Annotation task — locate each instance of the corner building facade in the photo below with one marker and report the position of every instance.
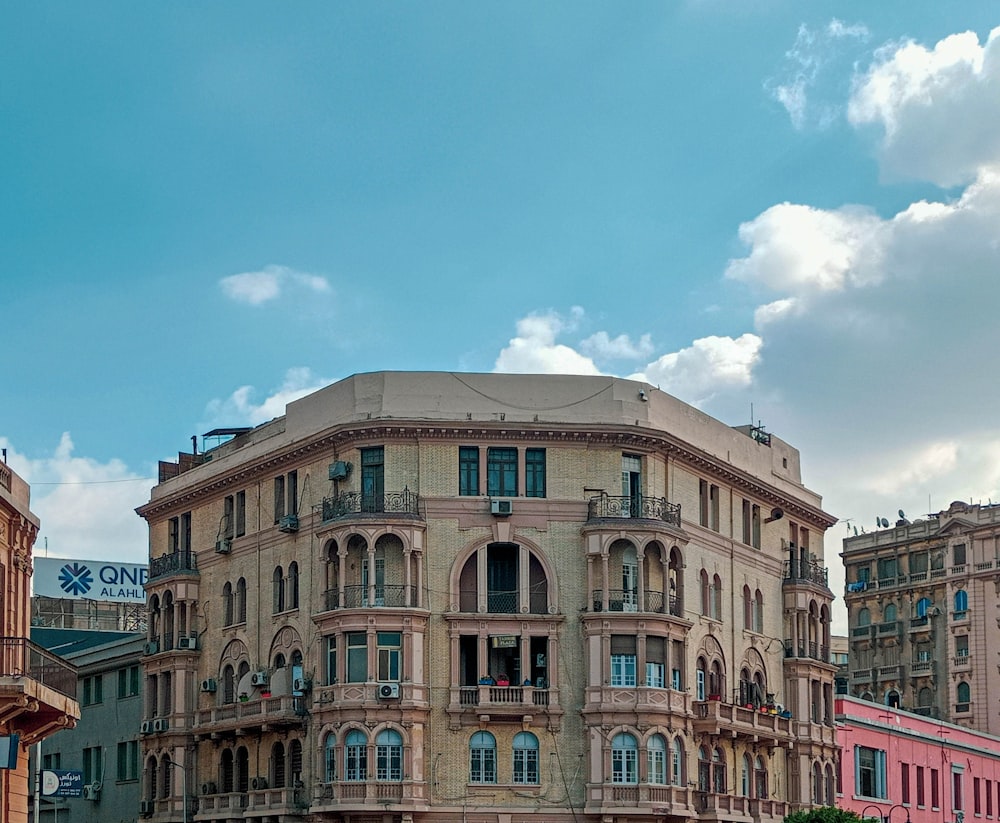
(487, 598)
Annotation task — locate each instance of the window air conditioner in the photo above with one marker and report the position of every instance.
(160, 724)
(258, 679)
(258, 783)
(388, 691)
(340, 470)
(209, 685)
(208, 788)
(502, 508)
(151, 647)
(289, 523)
(92, 791)
(146, 727)
(188, 644)
(146, 808)
(223, 546)
(300, 684)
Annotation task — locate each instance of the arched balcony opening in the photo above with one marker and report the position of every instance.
(503, 578)
(675, 573)
(382, 573)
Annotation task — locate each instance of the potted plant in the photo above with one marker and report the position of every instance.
(244, 697)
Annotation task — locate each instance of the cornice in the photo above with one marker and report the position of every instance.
(385, 431)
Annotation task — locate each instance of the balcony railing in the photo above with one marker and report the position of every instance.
(22, 658)
(806, 571)
(625, 600)
(359, 597)
(172, 563)
(606, 506)
(810, 649)
(348, 504)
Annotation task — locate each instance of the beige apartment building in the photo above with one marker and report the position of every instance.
(490, 599)
(37, 688)
(922, 610)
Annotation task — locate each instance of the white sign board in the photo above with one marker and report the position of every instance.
(89, 580)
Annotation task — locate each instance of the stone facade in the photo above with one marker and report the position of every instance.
(460, 597)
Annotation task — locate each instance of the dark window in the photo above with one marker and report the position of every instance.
(468, 470)
(128, 681)
(279, 498)
(534, 472)
(241, 513)
(958, 554)
(501, 472)
(128, 760)
(357, 657)
(373, 479)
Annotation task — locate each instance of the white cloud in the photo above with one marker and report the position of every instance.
(602, 345)
(706, 368)
(929, 463)
(257, 287)
(534, 350)
(241, 407)
(86, 508)
(938, 108)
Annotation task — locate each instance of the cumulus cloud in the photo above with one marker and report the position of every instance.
(257, 287)
(938, 108)
(809, 63)
(534, 350)
(602, 345)
(243, 408)
(86, 508)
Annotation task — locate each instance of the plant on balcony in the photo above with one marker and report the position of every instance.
(244, 697)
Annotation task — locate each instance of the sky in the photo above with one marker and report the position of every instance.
(780, 212)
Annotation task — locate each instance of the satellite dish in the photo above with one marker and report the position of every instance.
(883, 522)
(855, 531)
(902, 515)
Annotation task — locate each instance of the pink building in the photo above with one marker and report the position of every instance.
(904, 766)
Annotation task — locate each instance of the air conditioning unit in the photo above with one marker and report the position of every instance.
(151, 647)
(209, 685)
(340, 470)
(258, 783)
(258, 679)
(146, 727)
(388, 691)
(146, 808)
(289, 523)
(208, 788)
(187, 644)
(160, 724)
(92, 791)
(300, 684)
(223, 546)
(501, 508)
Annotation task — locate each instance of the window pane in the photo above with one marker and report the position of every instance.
(534, 472)
(468, 470)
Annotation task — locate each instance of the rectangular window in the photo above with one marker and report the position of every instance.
(699, 691)
(241, 513)
(904, 783)
(373, 479)
(534, 472)
(870, 772)
(128, 682)
(292, 493)
(886, 568)
(389, 647)
(656, 671)
(483, 765)
(957, 798)
(958, 554)
(976, 797)
(624, 765)
(128, 760)
(935, 790)
(526, 766)
(675, 680)
(655, 675)
(93, 690)
(52, 761)
(92, 764)
(279, 498)
(623, 670)
(173, 530)
(331, 660)
(989, 797)
(356, 755)
(920, 786)
(962, 645)
(468, 471)
(703, 503)
(388, 762)
(501, 472)
(228, 517)
(357, 657)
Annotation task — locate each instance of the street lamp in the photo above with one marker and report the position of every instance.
(879, 817)
(888, 814)
(184, 792)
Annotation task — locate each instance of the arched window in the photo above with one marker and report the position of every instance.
(482, 758)
(389, 755)
(525, 758)
(830, 785)
(745, 776)
(961, 602)
(748, 622)
(677, 762)
(923, 604)
(718, 772)
(279, 661)
(295, 761)
(864, 617)
(758, 612)
(278, 765)
(760, 779)
(706, 597)
(704, 770)
(963, 692)
(925, 697)
(242, 769)
(166, 789)
(890, 613)
(355, 756)
(656, 760)
(700, 679)
(227, 604)
(278, 593)
(717, 597)
(241, 600)
(227, 772)
(293, 585)
(330, 758)
(152, 775)
(817, 787)
(228, 684)
(892, 699)
(624, 759)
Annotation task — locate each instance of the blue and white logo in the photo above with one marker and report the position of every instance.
(75, 579)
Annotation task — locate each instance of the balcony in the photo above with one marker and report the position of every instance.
(806, 571)
(259, 715)
(37, 690)
(235, 802)
(281, 801)
(360, 597)
(922, 668)
(503, 703)
(172, 563)
(756, 725)
(890, 672)
(623, 600)
(657, 798)
(367, 793)
(961, 662)
(811, 650)
(356, 504)
(608, 507)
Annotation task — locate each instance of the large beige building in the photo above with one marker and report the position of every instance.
(37, 688)
(921, 601)
(488, 598)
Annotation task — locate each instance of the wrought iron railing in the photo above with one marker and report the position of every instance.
(606, 506)
(808, 571)
(22, 658)
(355, 503)
(623, 600)
(172, 563)
(807, 649)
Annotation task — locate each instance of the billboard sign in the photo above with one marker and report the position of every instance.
(89, 580)
(62, 783)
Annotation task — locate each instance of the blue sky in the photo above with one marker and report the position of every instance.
(209, 209)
